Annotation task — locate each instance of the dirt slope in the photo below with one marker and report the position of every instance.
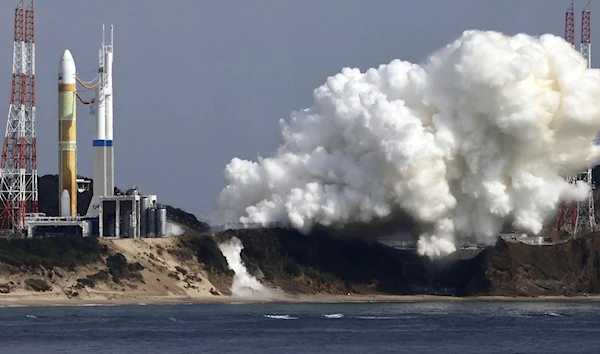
(131, 269)
(516, 269)
(192, 268)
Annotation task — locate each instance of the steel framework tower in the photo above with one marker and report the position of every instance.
(18, 167)
(579, 217)
(104, 172)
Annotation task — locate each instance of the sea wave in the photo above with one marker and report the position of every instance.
(334, 315)
(281, 317)
(375, 317)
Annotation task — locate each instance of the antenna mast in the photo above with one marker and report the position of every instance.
(579, 216)
(18, 167)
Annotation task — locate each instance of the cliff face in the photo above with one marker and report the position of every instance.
(516, 269)
(192, 267)
(320, 262)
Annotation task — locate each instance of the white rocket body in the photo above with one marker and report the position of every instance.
(108, 102)
(65, 203)
(103, 140)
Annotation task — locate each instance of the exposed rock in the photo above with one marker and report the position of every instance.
(516, 269)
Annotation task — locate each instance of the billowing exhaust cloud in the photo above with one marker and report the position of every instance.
(482, 133)
(244, 284)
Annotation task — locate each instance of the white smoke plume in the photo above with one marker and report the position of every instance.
(244, 284)
(482, 133)
(174, 229)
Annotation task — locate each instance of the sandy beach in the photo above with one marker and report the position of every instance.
(123, 299)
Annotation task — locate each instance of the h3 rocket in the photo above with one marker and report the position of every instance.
(104, 180)
(67, 136)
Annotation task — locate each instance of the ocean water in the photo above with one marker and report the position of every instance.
(423, 327)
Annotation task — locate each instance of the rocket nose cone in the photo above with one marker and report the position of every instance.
(67, 55)
(66, 68)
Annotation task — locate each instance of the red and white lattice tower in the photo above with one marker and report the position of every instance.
(579, 217)
(18, 167)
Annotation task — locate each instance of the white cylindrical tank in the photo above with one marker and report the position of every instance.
(161, 221)
(151, 222)
(144, 205)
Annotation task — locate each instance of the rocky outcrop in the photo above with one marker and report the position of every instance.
(192, 267)
(516, 269)
(320, 262)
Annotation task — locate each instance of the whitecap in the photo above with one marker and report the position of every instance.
(281, 317)
(334, 315)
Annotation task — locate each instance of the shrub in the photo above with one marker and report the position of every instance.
(37, 284)
(61, 252)
(207, 251)
(181, 270)
(91, 280)
(120, 269)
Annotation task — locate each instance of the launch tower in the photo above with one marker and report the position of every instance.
(579, 217)
(104, 173)
(18, 167)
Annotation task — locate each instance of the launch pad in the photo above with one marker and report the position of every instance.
(128, 215)
(110, 213)
(132, 215)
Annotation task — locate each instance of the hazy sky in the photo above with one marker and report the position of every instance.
(197, 83)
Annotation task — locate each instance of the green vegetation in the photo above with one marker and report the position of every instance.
(329, 262)
(181, 270)
(5, 288)
(120, 269)
(91, 280)
(207, 251)
(37, 284)
(185, 219)
(285, 254)
(62, 252)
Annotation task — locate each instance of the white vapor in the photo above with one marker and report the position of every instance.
(244, 284)
(174, 229)
(483, 132)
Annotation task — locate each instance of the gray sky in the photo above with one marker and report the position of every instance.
(197, 83)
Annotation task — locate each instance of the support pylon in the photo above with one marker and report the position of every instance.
(580, 217)
(18, 167)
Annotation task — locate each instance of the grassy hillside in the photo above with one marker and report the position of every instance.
(73, 266)
(516, 269)
(318, 262)
(61, 252)
(321, 262)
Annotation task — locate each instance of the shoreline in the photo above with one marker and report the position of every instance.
(24, 301)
